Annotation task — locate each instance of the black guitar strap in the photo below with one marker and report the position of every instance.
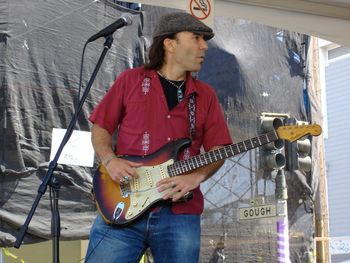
(192, 115)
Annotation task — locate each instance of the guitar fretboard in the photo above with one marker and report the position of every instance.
(198, 161)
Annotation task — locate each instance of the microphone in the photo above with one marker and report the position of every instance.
(123, 21)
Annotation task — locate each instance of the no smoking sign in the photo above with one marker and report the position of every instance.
(200, 9)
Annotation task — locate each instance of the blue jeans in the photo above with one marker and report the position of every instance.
(171, 238)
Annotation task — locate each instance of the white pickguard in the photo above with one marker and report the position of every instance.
(143, 191)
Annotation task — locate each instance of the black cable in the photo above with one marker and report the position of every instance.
(80, 78)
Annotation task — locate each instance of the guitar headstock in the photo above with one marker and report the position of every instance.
(294, 132)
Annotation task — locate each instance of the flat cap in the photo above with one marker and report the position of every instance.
(173, 23)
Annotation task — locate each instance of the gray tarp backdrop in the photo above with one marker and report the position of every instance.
(254, 69)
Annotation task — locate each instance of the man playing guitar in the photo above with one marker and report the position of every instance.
(150, 107)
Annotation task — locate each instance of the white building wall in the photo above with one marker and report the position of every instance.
(337, 151)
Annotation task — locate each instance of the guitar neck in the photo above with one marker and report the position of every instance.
(206, 158)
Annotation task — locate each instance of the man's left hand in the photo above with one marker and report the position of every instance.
(179, 185)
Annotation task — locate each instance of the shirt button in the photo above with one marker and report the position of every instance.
(169, 116)
(169, 139)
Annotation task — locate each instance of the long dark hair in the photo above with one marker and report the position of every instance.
(156, 52)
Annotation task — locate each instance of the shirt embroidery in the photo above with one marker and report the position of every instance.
(187, 154)
(145, 142)
(146, 84)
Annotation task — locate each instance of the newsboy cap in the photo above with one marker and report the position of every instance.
(173, 23)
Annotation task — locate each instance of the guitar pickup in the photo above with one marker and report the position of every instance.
(149, 179)
(136, 184)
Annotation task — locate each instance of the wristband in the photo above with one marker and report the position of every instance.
(107, 160)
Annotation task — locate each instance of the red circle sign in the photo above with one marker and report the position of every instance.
(200, 9)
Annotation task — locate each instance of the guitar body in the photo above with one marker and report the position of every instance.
(120, 204)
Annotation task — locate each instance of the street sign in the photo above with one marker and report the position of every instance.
(255, 212)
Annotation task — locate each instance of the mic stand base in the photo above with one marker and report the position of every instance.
(55, 219)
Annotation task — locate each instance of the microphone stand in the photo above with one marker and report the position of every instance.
(51, 180)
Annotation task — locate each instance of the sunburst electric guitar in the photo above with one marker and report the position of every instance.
(121, 204)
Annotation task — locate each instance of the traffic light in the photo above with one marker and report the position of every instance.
(272, 157)
(298, 152)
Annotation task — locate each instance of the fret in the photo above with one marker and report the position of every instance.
(191, 164)
(249, 144)
(219, 152)
(174, 168)
(195, 160)
(228, 151)
(188, 165)
(259, 140)
(195, 165)
(182, 168)
(171, 170)
(215, 155)
(223, 152)
(178, 169)
(200, 159)
(242, 147)
(265, 138)
(209, 155)
(185, 166)
(236, 151)
(175, 172)
(231, 151)
(204, 160)
(255, 142)
(268, 136)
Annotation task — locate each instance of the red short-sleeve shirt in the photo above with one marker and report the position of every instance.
(136, 107)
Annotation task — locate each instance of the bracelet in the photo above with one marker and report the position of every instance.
(107, 160)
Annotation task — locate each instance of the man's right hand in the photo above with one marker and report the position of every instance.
(121, 170)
